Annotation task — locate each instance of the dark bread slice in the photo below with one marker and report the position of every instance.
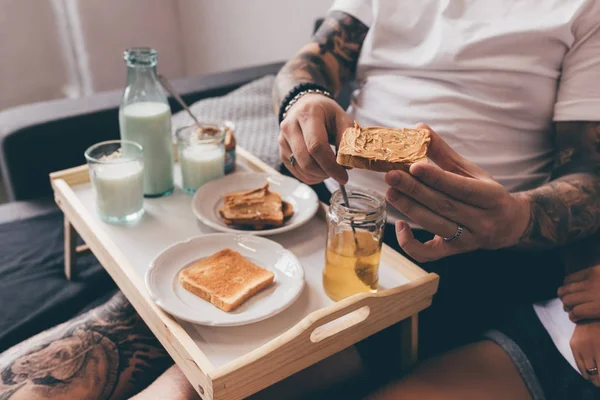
(288, 210)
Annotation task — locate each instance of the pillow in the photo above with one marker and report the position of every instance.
(251, 110)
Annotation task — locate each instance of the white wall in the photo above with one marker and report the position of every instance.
(71, 48)
(228, 34)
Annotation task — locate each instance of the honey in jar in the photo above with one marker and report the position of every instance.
(354, 242)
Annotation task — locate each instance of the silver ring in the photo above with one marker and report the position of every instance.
(292, 161)
(459, 231)
(592, 371)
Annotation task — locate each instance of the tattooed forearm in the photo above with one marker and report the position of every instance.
(568, 208)
(563, 211)
(329, 60)
(341, 36)
(105, 353)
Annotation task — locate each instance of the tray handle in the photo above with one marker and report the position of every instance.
(374, 309)
(325, 332)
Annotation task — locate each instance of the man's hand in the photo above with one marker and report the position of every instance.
(585, 345)
(310, 126)
(454, 192)
(581, 294)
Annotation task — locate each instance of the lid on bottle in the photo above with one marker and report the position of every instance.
(140, 56)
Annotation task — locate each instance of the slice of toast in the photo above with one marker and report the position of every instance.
(255, 209)
(382, 149)
(226, 279)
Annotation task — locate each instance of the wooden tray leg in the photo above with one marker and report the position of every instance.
(70, 248)
(409, 342)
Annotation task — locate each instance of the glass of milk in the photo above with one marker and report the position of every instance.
(116, 170)
(201, 154)
(145, 118)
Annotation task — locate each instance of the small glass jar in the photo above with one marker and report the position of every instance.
(201, 154)
(116, 170)
(354, 240)
(229, 146)
(145, 118)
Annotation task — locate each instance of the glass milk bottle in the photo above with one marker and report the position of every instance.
(145, 118)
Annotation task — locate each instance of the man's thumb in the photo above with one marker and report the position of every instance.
(446, 158)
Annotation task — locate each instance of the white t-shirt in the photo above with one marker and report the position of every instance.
(489, 76)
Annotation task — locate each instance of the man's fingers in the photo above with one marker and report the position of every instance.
(292, 132)
(317, 144)
(578, 276)
(571, 288)
(477, 192)
(285, 153)
(436, 201)
(443, 155)
(421, 215)
(589, 362)
(342, 122)
(575, 299)
(579, 361)
(408, 243)
(584, 311)
(595, 378)
(421, 252)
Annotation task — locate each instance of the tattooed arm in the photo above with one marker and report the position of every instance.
(329, 59)
(468, 210)
(105, 353)
(315, 121)
(568, 208)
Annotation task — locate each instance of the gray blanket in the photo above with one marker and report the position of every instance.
(250, 108)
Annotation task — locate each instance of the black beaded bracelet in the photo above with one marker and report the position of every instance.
(297, 92)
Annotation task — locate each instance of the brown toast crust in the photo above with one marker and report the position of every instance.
(355, 161)
(226, 279)
(287, 209)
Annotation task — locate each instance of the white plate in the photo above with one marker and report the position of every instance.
(164, 288)
(209, 199)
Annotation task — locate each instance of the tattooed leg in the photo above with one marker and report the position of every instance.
(105, 353)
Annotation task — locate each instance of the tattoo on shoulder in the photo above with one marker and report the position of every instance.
(102, 351)
(568, 208)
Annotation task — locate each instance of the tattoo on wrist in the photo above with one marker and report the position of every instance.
(106, 350)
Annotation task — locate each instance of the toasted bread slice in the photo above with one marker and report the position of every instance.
(255, 209)
(383, 149)
(226, 279)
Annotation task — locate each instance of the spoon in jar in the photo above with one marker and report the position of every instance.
(347, 203)
(167, 85)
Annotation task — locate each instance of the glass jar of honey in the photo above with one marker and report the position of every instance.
(354, 238)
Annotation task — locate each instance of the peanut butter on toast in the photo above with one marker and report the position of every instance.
(382, 149)
(226, 279)
(255, 209)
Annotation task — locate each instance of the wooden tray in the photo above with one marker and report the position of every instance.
(235, 362)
